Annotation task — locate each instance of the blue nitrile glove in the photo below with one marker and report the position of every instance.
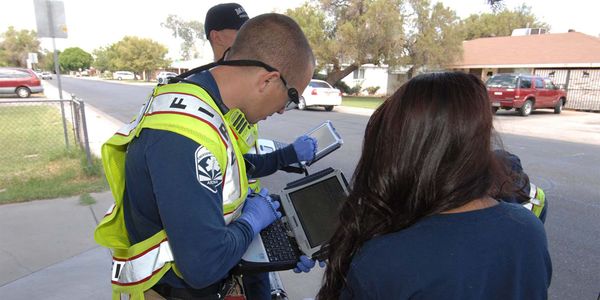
(260, 210)
(305, 264)
(305, 147)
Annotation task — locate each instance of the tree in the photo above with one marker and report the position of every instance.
(496, 5)
(104, 58)
(500, 23)
(139, 55)
(46, 60)
(74, 59)
(16, 45)
(188, 31)
(347, 34)
(435, 38)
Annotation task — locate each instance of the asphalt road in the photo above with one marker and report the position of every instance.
(568, 172)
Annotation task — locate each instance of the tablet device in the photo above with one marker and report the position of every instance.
(327, 138)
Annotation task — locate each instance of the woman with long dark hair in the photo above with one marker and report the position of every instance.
(422, 221)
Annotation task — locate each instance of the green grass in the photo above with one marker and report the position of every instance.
(364, 102)
(34, 162)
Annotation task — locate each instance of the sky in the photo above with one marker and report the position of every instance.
(93, 24)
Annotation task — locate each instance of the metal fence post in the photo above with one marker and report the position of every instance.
(85, 133)
(64, 122)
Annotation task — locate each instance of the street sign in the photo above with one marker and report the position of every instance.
(50, 18)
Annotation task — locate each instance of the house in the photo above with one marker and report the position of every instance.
(570, 59)
(372, 76)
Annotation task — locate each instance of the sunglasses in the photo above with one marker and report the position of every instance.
(293, 96)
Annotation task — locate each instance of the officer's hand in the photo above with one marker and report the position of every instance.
(260, 210)
(306, 264)
(305, 147)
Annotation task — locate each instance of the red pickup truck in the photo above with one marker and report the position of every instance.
(524, 93)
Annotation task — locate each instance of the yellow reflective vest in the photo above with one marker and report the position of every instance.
(537, 200)
(188, 110)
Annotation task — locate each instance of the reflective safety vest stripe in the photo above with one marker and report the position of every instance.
(188, 110)
(537, 200)
(131, 268)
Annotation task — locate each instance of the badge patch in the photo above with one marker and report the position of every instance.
(208, 171)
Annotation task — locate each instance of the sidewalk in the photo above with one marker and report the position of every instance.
(49, 251)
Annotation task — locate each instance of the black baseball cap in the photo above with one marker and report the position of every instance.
(225, 16)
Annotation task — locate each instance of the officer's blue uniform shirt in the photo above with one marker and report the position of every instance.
(163, 191)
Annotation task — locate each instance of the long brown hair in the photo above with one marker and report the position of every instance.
(427, 149)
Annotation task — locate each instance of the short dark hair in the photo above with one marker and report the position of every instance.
(276, 40)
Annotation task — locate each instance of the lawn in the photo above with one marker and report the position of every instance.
(364, 102)
(34, 162)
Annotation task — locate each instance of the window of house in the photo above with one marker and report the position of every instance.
(359, 74)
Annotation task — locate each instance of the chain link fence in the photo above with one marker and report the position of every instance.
(38, 130)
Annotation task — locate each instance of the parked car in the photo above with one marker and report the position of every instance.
(524, 93)
(22, 82)
(120, 75)
(320, 93)
(46, 76)
(163, 76)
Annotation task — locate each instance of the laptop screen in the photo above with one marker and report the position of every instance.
(317, 207)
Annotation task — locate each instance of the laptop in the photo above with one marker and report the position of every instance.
(310, 208)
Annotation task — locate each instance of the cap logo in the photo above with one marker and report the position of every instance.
(241, 12)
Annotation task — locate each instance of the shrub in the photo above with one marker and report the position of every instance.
(372, 90)
(355, 90)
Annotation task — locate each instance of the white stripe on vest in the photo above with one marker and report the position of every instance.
(141, 268)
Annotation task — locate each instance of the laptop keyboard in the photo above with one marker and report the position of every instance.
(279, 246)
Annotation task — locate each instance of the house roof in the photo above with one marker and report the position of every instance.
(572, 49)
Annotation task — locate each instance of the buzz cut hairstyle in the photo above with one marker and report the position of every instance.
(276, 40)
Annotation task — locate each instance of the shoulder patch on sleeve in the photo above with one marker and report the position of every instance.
(208, 171)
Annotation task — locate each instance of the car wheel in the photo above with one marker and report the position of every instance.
(328, 107)
(160, 81)
(23, 92)
(494, 110)
(526, 109)
(302, 104)
(119, 78)
(559, 106)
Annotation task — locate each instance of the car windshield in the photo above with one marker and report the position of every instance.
(506, 81)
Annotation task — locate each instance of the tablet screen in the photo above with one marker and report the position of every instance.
(324, 137)
(317, 207)
(327, 140)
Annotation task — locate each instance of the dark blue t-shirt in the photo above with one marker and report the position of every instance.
(499, 252)
(163, 191)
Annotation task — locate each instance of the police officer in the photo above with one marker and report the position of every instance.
(183, 216)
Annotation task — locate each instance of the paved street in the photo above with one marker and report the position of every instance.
(569, 173)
